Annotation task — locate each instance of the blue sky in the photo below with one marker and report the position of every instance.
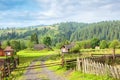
(19, 13)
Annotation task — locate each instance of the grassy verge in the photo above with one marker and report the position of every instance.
(81, 76)
(76, 75)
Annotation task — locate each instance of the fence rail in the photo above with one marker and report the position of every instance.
(7, 66)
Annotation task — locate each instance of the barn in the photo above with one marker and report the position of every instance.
(2, 52)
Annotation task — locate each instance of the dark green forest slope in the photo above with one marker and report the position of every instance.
(71, 31)
(57, 32)
(106, 30)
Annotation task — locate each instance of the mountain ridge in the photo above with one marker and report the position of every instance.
(71, 31)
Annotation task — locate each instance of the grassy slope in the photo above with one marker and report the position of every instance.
(26, 29)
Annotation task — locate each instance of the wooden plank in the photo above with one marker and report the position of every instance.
(90, 66)
(78, 64)
(116, 73)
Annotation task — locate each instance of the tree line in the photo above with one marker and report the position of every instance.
(64, 33)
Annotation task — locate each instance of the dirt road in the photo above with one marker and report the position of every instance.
(41, 73)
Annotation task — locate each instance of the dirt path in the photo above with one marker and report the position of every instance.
(41, 73)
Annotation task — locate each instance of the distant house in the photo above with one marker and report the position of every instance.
(2, 52)
(66, 48)
(39, 46)
(97, 47)
(9, 51)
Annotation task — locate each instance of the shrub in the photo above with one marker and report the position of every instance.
(75, 49)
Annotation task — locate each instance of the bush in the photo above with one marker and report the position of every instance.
(70, 66)
(75, 49)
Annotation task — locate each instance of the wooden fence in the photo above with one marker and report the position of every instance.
(7, 66)
(90, 66)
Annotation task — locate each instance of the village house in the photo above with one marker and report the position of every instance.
(66, 48)
(39, 46)
(9, 51)
(97, 47)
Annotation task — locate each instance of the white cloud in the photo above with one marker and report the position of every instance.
(53, 11)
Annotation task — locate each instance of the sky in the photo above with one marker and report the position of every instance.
(20, 13)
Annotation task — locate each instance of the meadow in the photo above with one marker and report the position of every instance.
(27, 56)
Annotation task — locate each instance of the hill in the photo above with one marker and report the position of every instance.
(106, 30)
(71, 31)
(57, 32)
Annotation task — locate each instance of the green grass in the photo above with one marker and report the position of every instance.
(81, 76)
(2, 57)
(77, 75)
(26, 57)
(99, 51)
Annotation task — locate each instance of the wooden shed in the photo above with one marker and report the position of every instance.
(39, 46)
(9, 51)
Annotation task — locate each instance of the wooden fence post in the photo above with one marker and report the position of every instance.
(14, 63)
(63, 61)
(18, 60)
(9, 70)
(78, 64)
(2, 73)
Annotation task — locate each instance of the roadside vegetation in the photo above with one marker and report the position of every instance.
(28, 55)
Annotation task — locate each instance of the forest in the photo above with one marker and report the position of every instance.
(59, 34)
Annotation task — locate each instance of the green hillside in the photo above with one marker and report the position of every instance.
(106, 30)
(57, 32)
(71, 31)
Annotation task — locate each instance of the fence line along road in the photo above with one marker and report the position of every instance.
(90, 66)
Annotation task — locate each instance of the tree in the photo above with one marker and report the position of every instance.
(85, 44)
(75, 49)
(103, 44)
(114, 44)
(8, 43)
(22, 45)
(5, 43)
(30, 44)
(34, 38)
(95, 42)
(0, 44)
(47, 41)
(60, 44)
(15, 45)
